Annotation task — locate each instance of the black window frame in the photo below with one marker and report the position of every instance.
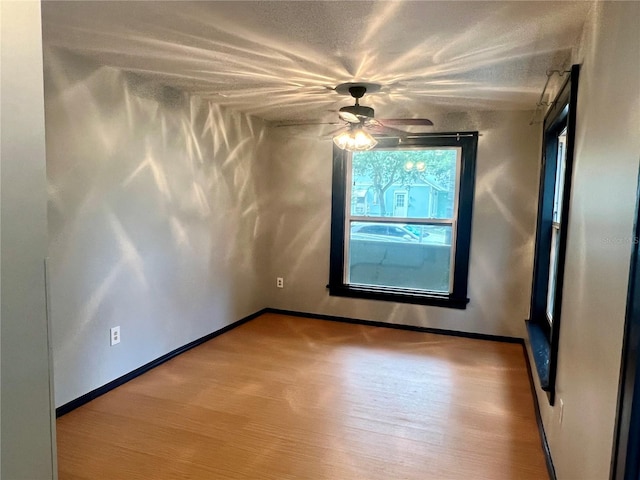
(468, 142)
(543, 336)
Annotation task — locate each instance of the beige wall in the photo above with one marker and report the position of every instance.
(28, 443)
(154, 220)
(599, 244)
(299, 211)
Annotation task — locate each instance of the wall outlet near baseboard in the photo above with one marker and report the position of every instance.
(280, 282)
(115, 335)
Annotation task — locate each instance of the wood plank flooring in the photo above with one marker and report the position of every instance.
(285, 397)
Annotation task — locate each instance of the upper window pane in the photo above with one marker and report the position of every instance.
(560, 169)
(411, 183)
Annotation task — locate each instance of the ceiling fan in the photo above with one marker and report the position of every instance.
(360, 125)
(363, 116)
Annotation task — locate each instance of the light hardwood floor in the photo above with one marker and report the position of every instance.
(292, 398)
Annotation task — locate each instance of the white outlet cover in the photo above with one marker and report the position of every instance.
(115, 335)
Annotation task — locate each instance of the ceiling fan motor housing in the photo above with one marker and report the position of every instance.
(357, 91)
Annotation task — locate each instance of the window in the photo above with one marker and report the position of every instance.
(551, 233)
(412, 244)
(556, 224)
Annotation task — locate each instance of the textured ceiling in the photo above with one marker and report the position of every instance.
(280, 60)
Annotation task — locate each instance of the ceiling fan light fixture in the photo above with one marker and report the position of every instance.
(355, 140)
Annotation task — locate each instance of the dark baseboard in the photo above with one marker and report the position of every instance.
(87, 397)
(536, 406)
(370, 323)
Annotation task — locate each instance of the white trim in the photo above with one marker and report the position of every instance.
(403, 220)
(348, 156)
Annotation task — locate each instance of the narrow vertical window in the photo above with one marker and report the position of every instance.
(551, 233)
(556, 221)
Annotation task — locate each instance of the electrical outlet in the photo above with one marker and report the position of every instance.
(561, 412)
(280, 282)
(115, 335)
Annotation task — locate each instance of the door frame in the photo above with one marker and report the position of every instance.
(625, 461)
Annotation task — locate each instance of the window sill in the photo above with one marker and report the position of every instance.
(401, 296)
(541, 351)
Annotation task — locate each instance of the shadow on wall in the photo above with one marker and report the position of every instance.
(154, 216)
(502, 236)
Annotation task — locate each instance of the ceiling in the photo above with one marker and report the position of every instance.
(280, 60)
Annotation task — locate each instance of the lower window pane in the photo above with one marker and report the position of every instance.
(406, 256)
(553, 272)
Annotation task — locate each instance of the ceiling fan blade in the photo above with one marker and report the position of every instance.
(407, 121)
(385, 131)
(349, 117)
(303, 123)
